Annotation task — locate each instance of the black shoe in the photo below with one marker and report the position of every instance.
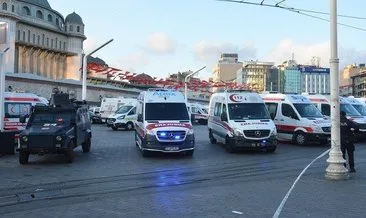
(352, 170)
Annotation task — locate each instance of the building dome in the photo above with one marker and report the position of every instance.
(74, 18)
(144, 78)
(41, 3)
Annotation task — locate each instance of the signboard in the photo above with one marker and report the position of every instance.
(3, 27)
(311, 69)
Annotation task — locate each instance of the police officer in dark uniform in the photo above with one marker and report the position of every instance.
(347, 128)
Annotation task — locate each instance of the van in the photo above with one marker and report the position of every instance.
(109, 106)
(198, 113)
(359, 105)
(323, 103)
(297, 119)
(163, 123)
(125, 116)
(17, 104)
(240, 119)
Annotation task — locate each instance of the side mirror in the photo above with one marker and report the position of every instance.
(272, 116)
(224, 117)
(23, 119)
(139, 118)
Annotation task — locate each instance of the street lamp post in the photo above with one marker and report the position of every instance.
(335, 169)
(85, 58)
(186, 80)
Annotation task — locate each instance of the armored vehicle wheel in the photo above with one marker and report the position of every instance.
(129, 126)
(23, 157)
(69, 156)
(86, 146)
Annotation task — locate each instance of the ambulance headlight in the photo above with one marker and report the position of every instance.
(317, 128)
(190, 132)
(238, 132)
(121, 117)
(24, 138)
(150, 132)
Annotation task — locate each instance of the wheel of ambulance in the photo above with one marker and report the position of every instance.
(189, 153)
(86, 146)
(23, 157)
(300, 138)
(229, 146)
(145, 153)
(212, 139)
(271, 149)
(69, 156)
(129, 126)
(114, 128)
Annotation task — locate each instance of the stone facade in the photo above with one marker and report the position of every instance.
(41, 41)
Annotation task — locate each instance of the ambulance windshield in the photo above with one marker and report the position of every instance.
(350, 110)
(308, 110)
(123, 109)
(166, 111)
(360, 108)
(248, 111)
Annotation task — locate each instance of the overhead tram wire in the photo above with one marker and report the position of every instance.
(294, 10)
(315, 12)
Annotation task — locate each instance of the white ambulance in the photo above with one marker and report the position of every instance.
(163, 123)
(240, 119)
(358, 104)
(109, 106)
(17, 104)
(125, 116)
(297, 119)
(198, 113)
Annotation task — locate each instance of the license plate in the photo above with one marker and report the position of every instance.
(256, 144)
(103, 120)
(172, 148)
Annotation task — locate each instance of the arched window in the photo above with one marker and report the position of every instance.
(39, 14)
(5, 6)
(34, 38)
(18, 34)
(26, 11)
(57, 22)
(42, 39)
(24, 36)
(38, 39)
(49, 18)
(48, 42)
(12, 8)
(78, 29)
(71, 28)
(29, 35)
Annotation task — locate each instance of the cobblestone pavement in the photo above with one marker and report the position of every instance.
(114, 180)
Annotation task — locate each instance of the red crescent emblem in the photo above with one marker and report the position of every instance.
(236, 98)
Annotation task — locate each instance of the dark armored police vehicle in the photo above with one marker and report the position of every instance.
(57, 128)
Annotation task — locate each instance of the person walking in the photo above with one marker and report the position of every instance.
(347, 145)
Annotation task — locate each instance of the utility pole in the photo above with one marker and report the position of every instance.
(335, 169)
(85, 63)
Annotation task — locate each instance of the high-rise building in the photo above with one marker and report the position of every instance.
(289, 77)
(254, 74)
(315, 80)
(226, 68)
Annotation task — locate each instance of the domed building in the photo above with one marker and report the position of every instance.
(41, 41)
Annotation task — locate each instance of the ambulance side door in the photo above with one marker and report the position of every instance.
(289, 121)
